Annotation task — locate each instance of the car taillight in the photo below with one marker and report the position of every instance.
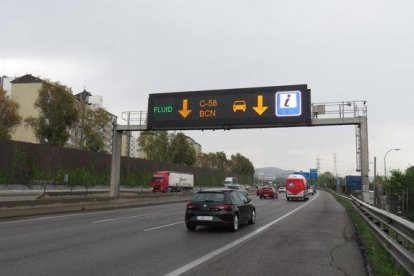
(223, 207)
(190, 206)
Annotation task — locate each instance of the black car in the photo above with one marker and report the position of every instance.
(219, 207)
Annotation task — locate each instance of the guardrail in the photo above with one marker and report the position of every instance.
(395, 233)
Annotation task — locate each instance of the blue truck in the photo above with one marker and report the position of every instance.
(353, 182)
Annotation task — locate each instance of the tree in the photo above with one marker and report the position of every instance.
(93, 122)
(400, 189)
(241, 165)
(181, 150)
(327, 179)
(396, 182)
(409, 177)
(57, 114)
(9, 118)
(216, 161)
(202, 160)
(155, 145)
(220, 161)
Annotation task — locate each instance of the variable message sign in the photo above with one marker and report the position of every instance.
(273, 106)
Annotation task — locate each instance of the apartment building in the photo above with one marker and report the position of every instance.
(86, 98)
(25, 91)
(5, 83)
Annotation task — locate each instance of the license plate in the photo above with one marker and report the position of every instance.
(204, 218)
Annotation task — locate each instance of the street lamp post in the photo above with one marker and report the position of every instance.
(385, 162)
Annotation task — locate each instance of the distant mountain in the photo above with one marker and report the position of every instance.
(273, 171)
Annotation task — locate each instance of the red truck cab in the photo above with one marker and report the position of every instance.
(159, 181)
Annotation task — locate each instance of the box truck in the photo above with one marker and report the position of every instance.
(296, 187)
(230, 180)
(168, 181)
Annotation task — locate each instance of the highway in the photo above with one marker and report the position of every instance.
(289, 238)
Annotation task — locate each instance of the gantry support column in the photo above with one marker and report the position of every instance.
(364, 154)
(116, 162)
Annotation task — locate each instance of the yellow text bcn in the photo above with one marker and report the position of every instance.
(207, 113)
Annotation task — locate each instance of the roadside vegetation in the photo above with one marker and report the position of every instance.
(394, 194)
(381, 262)
(172, 147)
(9, 117)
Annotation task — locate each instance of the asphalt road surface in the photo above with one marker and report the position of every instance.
(314, 237)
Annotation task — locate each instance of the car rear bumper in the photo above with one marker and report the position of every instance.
(268, 195)
(217, 220)
(299, 195)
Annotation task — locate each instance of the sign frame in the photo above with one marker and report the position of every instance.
(225, 109)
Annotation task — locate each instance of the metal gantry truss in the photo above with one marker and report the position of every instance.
(323, 114)
(348, 113)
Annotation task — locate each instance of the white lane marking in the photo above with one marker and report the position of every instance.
(211, 255)
(260, 204)
(87, 214)
(137, 216)
(163, 226)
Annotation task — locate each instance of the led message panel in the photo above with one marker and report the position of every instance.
(257, 107)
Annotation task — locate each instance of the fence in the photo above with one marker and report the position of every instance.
(26, 163)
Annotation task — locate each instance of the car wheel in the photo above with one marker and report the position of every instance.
(261, 197)
(235, 224)
(191, 227)
(253, 217)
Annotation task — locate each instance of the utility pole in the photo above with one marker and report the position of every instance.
(318, 169)
(335, 172)
(318, 164)
(375, 181)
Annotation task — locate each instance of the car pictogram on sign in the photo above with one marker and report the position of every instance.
(239, 106)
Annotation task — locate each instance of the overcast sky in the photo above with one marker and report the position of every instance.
(125, 50)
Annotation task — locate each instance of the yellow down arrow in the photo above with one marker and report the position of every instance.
(185, 111)
(260, 109)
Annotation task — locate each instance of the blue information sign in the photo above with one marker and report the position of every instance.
(313, 173)
(305, 174)
(288, 104)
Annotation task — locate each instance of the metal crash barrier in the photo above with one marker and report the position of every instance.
(395, 233)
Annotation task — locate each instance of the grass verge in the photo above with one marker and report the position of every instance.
(381, 262)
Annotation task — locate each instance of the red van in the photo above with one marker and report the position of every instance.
(296, 187)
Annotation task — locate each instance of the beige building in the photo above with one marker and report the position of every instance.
(25, 91)
(129, 145)
(92, 102)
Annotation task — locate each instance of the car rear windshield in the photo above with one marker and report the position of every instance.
(267, 188)
(209, 197)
